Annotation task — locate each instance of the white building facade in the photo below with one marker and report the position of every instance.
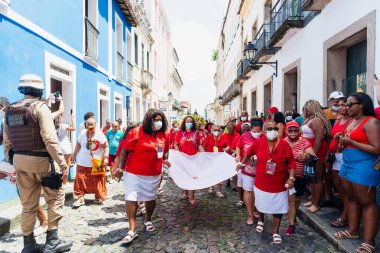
(315, 47)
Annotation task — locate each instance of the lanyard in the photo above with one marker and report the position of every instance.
(273, 149)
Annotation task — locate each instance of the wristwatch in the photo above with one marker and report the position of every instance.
(292, 178)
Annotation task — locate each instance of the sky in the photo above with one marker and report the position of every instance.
(195, 29)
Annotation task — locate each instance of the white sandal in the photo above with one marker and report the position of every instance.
(79, 202)
(239, 204)
(149, 226)
(220, 194)
(277, 239)
(130, 237)
(260, 227)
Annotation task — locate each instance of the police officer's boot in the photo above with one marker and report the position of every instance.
(30, 245)
(54, 244)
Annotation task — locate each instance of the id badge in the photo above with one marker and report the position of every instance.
(271, 167)
(160, 152)
(216, 149)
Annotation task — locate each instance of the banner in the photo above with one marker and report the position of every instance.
(201, 170)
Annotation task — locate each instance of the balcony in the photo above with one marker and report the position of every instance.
(261, 43)
(286, 20)
(129, 73)
(177, 105)
(242, 72)
(119, 66)
(91, 40)
(233, 91)
(146, 81)
(314, 5)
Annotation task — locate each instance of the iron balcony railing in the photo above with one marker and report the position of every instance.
(146, 79)
(261, 43)
(242, 68)
(91, 40)
(119, 66)
(289, 10)
(129, 72)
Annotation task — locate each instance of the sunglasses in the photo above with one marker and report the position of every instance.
(349, 105)
(272, 129)
(293, 130)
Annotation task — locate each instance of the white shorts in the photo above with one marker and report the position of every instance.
(248, 183)
(239, 180)
(338, 161)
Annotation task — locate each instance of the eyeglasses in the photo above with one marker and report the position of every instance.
(349, 105)
(293, 130)
(272, 129)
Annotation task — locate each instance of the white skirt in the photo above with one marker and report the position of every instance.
(271, 203)
(66, 147)
(140, 188)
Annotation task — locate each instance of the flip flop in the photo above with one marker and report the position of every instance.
(260, 227)
(313, 211)
(308, 204)
(239, 204)
(149, 226)
(220, 195)
(339, 223)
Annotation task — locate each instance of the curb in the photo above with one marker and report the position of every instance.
(326, 231)
(6, 225)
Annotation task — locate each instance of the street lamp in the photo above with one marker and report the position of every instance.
(219, 100)
(250, 54)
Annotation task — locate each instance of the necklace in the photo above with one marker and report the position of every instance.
(353, 125)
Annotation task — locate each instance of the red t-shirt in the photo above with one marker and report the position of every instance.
(282, 156)
(337, 128)
(231, 140)
(172, 137)
(300, 147)
(188, 141)
(211, 141)
(143, 159)
(118, 151)
(245, 144)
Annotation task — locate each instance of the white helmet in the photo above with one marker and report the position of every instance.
(32, 81)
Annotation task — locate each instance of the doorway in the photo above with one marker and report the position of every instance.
(267, 95)
(290, 90)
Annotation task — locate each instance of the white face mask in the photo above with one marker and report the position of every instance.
(243, 118)
(289, 118)
(256, 135)
(271, 135)
(2, 114)
(216, 133)
(157, 125)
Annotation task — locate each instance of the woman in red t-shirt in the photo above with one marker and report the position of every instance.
(145, 152)
(302, 150)
(335, 152)
(188, 140)
(275, 171)
(215, 143)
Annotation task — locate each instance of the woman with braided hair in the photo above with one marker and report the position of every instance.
(316, 128)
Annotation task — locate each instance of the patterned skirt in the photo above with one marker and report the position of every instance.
(86, 183)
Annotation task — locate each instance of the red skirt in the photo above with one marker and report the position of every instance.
(85, 183)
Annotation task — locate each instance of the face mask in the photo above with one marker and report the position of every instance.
(256, 135)
(157, 125)
(289, 118)
(189, 125)
(176, 129)
(2, 114)
(243, 118)
(271, 135)
(335, 108)
(216, 133)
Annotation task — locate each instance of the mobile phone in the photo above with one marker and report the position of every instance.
(376, 78)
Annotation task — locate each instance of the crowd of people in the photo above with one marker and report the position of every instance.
(279, 158)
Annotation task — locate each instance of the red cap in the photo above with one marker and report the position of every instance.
(292, 124)
(272, 110)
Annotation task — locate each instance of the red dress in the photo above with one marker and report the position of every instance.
(146, 150)
(282, 156)
(188, 141)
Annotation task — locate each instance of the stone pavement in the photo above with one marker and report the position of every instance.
(213, 225)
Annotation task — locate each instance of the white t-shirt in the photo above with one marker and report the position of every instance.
(84, 155)
(61, 132)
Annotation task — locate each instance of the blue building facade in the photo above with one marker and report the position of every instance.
(78, 47)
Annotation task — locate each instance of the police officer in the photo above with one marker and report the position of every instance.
(30, 134)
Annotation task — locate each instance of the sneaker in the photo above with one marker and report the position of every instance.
(79, 202)
(291, 230)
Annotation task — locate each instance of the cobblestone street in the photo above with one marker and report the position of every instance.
(214, 225)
